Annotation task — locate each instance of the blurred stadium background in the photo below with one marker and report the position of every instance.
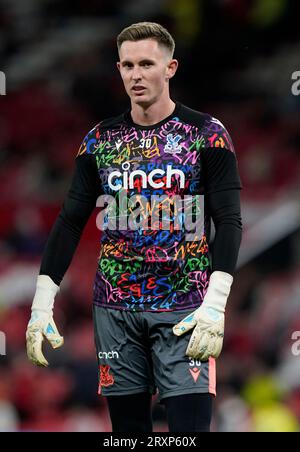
(236, 62)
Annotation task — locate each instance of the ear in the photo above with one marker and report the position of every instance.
(118, 65)
(171, 68)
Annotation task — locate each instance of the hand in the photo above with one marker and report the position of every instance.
(41, 324)
(208, 320)
(207, 337)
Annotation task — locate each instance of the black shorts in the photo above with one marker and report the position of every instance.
(138, 352)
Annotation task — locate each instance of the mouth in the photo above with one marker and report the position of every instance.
(138, 89)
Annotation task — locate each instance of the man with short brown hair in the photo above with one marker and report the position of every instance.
(153, 283)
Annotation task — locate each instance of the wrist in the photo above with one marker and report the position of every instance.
(218, 291)
(46, 291)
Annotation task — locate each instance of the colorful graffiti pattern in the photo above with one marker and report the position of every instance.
(145, 269)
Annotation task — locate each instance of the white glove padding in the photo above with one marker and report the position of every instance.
(41, 323)
(208, 320)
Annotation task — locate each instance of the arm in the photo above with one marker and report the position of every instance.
(68, 227)
(60, 248)
(208, 320)
(222, 199)
(225, 210)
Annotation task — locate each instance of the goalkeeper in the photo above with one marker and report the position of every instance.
(158, 299)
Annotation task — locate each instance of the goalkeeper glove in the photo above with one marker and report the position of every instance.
(41, 323)
(208, 320)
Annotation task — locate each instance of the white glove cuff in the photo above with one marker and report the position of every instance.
(218, 290)
(46, 291)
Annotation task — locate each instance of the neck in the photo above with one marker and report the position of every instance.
(152, 114)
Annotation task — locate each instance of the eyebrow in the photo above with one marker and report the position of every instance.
(145, 60)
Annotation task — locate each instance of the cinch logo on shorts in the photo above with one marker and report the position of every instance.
(106, 379)
(108, 355)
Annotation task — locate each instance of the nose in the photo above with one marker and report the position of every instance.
(136, 74)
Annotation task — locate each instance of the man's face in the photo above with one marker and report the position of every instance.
(145, 68)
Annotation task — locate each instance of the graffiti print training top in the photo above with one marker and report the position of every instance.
(146, 261)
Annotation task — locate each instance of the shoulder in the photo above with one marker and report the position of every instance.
(212, 130)
(98, 133)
